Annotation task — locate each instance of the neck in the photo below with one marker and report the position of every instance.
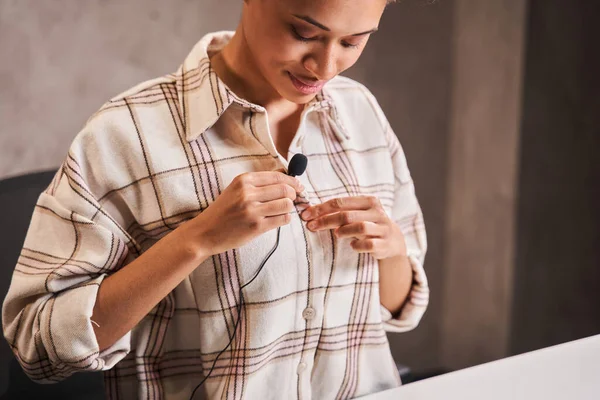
(236, 67)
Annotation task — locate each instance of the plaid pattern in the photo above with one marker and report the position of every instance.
(156, 156)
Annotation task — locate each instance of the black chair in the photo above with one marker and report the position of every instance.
(18, 196)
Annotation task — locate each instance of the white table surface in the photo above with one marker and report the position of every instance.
(567, 371)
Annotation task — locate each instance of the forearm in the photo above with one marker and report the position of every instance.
(395, 281)
(125, 297)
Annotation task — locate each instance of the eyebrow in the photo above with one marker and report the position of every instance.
(321, 26)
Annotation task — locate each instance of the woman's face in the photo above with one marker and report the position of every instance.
(299, 45)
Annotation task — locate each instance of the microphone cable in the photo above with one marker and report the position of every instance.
(297, 166)
(239, 309)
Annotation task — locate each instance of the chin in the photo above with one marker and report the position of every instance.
(301, 99)
(292, 96)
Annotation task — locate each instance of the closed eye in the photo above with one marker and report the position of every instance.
(304, 39)
(350, 45)
(299, 36)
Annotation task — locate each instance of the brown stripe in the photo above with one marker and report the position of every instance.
(181, 135)
(218, 106)
(159, 200)
(288, 297)
(191, 366)
(95, 205)
(221, 292)
(369, 267)
(195, 165)
(351, 321)
(337, 152)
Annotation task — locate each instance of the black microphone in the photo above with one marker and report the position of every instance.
(297, 165)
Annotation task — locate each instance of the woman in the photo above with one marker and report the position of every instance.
(167, 205)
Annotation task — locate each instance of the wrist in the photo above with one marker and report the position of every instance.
(190, 242)
(400, 250)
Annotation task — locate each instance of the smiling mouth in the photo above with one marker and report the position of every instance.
(305, 81)
(305, 87)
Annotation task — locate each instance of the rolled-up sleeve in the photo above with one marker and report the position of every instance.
(415, 305)
(71, 245)
(406, 212)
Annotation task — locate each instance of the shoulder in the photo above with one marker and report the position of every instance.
(117, 122)
(148, 93)
(110, 149)
(358, 110)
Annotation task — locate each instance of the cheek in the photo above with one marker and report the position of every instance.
(346, 62)
(284, 53)
(267, 40)
(347, 59)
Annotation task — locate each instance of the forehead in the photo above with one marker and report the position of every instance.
(341, 16)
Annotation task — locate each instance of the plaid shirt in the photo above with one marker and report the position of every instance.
(156, 156)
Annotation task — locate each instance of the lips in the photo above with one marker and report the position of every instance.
(304, 86)
(306, 81)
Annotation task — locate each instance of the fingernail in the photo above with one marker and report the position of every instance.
(306, 214)
(312, 225)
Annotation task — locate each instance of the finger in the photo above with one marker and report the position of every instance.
(275, 222)
(273, 192)
(275, 207)
(266, 178)
(360, 230)
(332, 221)
(368, 245)
(341, 204)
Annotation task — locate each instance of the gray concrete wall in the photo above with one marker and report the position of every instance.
(557, 267)
(61, 60)
(481, 181)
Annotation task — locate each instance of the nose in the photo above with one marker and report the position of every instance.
(322, 63)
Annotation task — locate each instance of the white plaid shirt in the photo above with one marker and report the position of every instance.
(155, 157)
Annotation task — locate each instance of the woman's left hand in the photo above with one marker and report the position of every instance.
(363, 218)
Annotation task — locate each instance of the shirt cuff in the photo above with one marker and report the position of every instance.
(415, 305)
(69, 334)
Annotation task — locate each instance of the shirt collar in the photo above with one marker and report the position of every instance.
(203, 97)
(325, 104)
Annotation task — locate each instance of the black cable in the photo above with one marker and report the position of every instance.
(239, 310)
(296, 167)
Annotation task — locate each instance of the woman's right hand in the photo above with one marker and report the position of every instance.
(254, 203)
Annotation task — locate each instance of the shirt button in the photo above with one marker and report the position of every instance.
(301, 367)
(309, 313)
